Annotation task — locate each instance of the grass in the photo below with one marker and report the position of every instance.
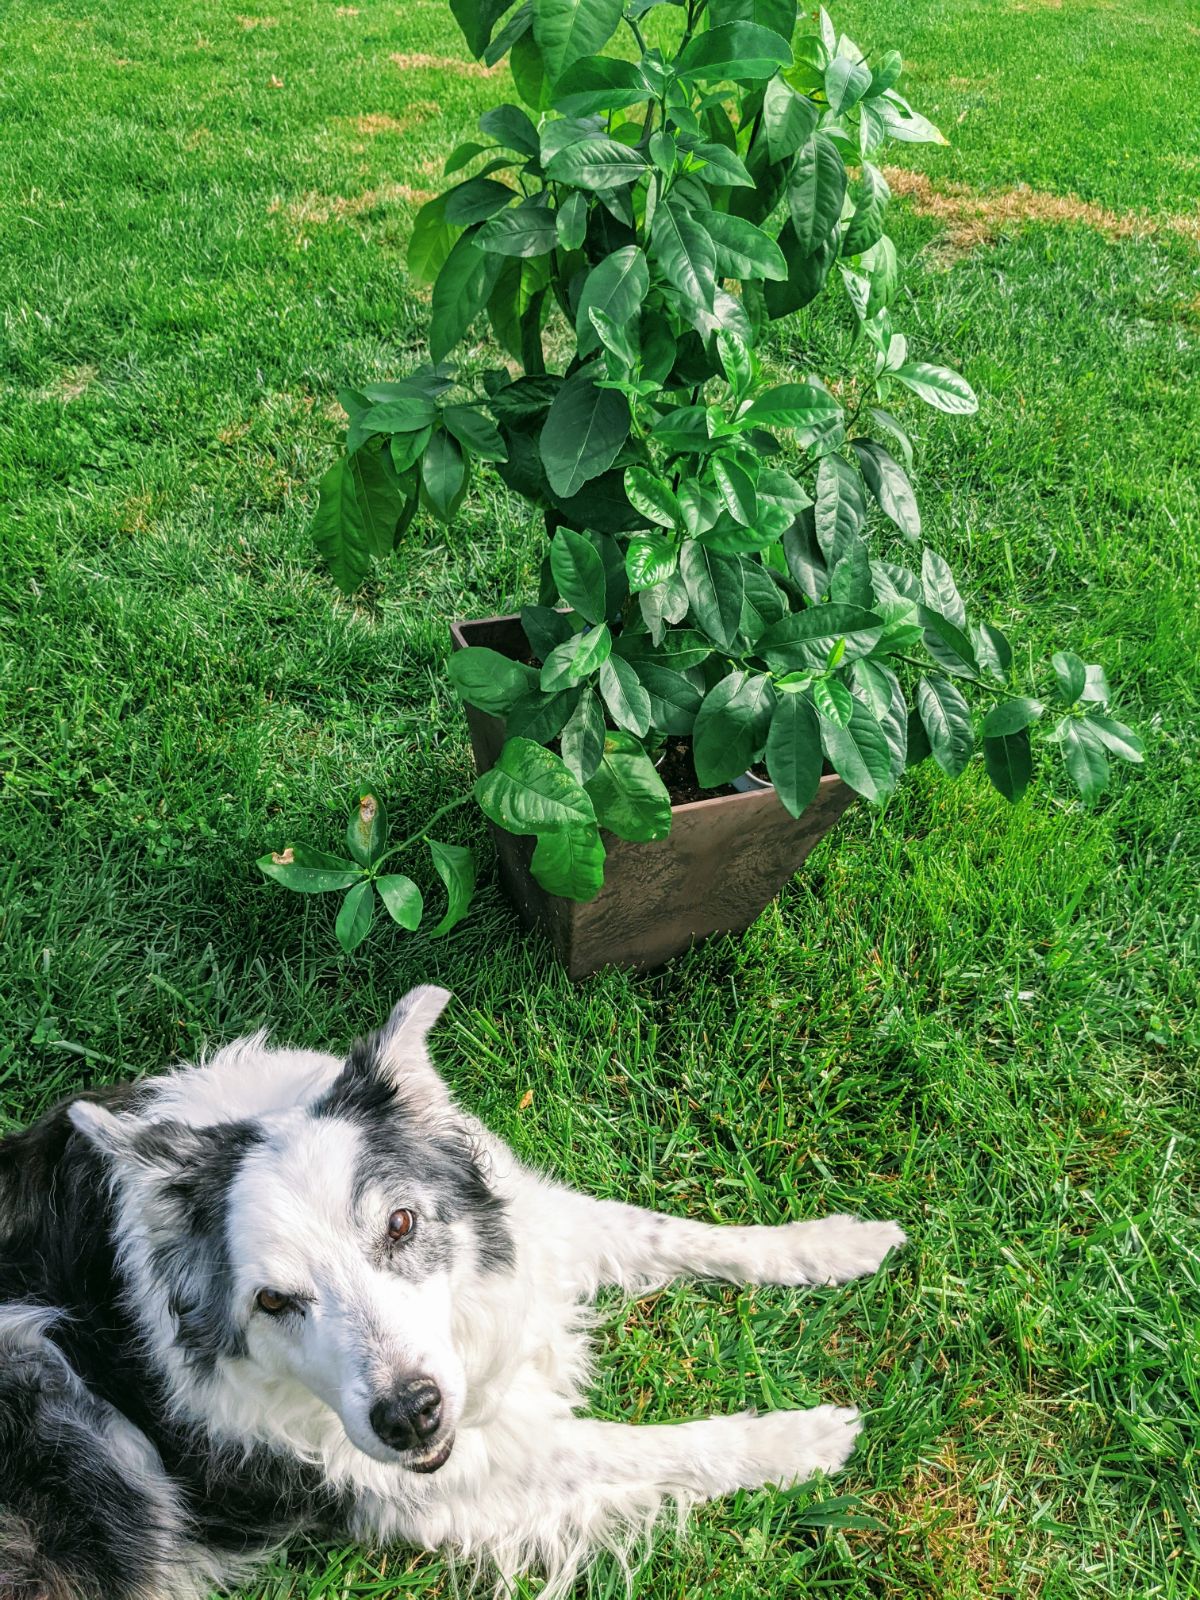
(979, 1020)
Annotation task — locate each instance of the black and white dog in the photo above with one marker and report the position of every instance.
(279, 1292)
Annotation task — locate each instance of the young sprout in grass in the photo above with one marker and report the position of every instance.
(734, 558)
(304, 870)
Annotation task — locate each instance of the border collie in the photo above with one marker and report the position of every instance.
(279, 1292)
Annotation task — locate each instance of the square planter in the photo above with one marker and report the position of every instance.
(724, 860)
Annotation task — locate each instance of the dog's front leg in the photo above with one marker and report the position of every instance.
(608, 1242)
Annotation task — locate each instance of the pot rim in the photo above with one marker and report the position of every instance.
(829, 780)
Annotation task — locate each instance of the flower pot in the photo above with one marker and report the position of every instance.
(724, 860)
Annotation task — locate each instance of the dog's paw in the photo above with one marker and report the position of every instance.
(835, 1249)
(791, 1445)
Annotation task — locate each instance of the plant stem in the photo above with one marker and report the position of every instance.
(422, 833)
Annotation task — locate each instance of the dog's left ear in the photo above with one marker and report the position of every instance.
(395, 1059)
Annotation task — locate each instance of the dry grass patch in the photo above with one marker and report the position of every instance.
(973, 219)
(258, 22)
(420, 62)
(374, 123)
(69, 385)
(936, 1511)
(313, 209)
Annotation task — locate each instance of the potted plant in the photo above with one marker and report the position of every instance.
(738, 627)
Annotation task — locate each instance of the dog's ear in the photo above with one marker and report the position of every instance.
(392, 1064)
(111, 1135)
(161, 1148)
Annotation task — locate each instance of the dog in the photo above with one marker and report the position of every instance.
(279, 1293)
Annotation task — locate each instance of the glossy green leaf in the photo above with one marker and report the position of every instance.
(479, 434)
(1070, 674)
(443, 475)
(938, 387)
(617, 287)
(627, 701)
(946, 718)
(531, 791)
(582, 740)
(476, 200)
(455, 866)
(685, 253)
(1087, 762)
(865, 227)
(731, 727)
(541, 716)
(1009, 763)
(715, 588)
(675, 696)
(460, 294)
(571, 220)
(489, 680)
(737, 50)
(742, 250)
(889, 484)
(1116, 737)
(578, 570)
(816, 190)
(583, 434)
(598, 83)
(650, 559)
(841, 508)
(806, 638)
(525, 230)
(789, 119)
(1010, 716)
(354, 916)
(940, 590)
(581, 655)
(596, 164)
(859, 753)
(793, 405)
(630, 798)
(846, 81)
(568, 30)
(401, 899)
(794, 756)
(306, 871)
(570, 862)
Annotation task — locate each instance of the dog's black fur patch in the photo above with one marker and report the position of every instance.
(67, 1515)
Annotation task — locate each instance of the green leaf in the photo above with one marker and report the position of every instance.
(568, 30)
(598, 83)
(596, 164)
(476, 200)
(859, 753)
(531, 791)
(582, 741)
(715, 588)
(649, 559)
(946, 718)
(460, 294)
(529, 229)
(627, 701)
(570, 862)
(794, 756)
(807, 272)
(685, 253)
(742, 250)
(540, 716)
(889, 483)
(583, 434)
(992, 650)
(662, 604)
(737, 490)
(630, 798)
(940, 590)
(731, 727)
(488, 680)
(1010, 716)
(938, 387)
(792, 405)
(455, 866)
(366, 831)
(402, 899)
(816, 190)
(806, 638)
(337, 528)
(789, 119)
(865, 227)
(432, 240)
(1087, 763)
(443, 475)
(846, 81)
(1009, 763)
(833, 700)
(511, 127)
(1116, 737)
(544, 628)
(948, 645)
(571, 220)
(306, 871)
(841, 508)
(804, 558)
(578, 572)
(652, 497)
(477, 19)
(736, 50)
(354, 916)
(674, 697)
(1071, 674)
(479, 434)
(1095, 690)
(616, 287)
(581, 655)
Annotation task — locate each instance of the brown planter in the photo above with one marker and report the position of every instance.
(724, 860)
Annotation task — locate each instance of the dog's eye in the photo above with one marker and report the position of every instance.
(270, 1301)
(401, 1224)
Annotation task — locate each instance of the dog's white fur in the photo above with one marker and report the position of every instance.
(530, 1481)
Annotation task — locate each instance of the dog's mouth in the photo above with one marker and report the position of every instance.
(432, 1462)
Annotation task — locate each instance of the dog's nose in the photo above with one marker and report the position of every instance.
(409, 1415)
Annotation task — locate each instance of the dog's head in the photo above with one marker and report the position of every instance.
(322, 1242)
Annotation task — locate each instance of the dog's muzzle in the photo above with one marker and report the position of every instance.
(409, 1417)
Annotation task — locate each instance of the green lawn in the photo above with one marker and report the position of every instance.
(982, 1021)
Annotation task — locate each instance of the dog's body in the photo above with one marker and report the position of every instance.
(281, 1292)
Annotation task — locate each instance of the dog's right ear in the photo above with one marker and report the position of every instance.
(112, 1136)
(391, 1066)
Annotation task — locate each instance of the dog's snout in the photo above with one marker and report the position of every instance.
(409, 1415)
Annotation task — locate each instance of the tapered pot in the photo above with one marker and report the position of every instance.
(724, 859)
